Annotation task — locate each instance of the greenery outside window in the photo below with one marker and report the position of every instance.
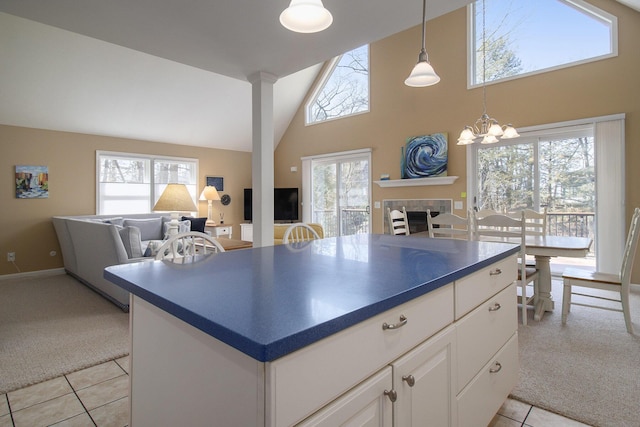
(343, 89)
(132, 183)
(526, 37)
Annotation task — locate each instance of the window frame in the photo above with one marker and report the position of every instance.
(579, 5)
(152, 185)
(326, 74)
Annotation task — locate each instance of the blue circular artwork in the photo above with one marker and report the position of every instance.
(426, 156)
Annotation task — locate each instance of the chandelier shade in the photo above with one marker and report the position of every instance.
(306, 16)
(486, 129)
(423, 73)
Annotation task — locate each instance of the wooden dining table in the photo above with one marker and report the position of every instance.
(543, 248)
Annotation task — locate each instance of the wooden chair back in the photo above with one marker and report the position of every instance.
(299, 232)
(536, 222)
(398, 222)
(183, 247)
(449, 226)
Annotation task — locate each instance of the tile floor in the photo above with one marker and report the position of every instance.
(98, 396)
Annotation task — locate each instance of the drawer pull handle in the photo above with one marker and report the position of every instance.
(391, 394)
(411, 381)
(495, 307)
(403, 321)
(497, 368)
(495, 272)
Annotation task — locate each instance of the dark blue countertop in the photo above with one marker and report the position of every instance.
(270, 301)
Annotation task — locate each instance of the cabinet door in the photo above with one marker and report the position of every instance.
(364, 406)
(423, 380)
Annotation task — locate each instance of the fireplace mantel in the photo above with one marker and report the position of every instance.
(436, 180)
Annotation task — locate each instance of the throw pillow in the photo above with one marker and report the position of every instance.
(197, 224)
(131, 239)
(150, 229)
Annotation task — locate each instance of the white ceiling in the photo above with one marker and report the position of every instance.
(173, 70)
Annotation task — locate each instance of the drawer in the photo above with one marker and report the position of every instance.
(481, 333)
(478, 287)
(309, 378)
(481, 399)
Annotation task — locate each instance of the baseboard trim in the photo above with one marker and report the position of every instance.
(39, 273)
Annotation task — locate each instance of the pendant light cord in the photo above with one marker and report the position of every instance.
(424, 30)
(484, 60)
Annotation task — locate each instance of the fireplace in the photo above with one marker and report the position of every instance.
(416, 212)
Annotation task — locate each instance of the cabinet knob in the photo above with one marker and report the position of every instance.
(495, 307)
(403, 321)
(411, 381)
(497, 367)
(495, 272)
(391, 394)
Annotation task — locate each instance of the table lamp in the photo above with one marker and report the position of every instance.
(209, 193)
(175, 199)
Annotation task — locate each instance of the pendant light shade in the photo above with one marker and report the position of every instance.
(423, 73)
(306, 16)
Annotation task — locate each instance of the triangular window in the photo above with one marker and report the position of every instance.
(344, 88)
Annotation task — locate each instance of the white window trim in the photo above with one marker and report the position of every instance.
(327, 71)
(151, 158)
(579, 4)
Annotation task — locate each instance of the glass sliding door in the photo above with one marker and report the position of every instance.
(340, 191)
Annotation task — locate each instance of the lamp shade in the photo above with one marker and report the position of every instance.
(209, 193)
(306, 16)
(422, 75)
(175, 198)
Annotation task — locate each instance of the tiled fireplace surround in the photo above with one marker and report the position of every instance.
(416, 211)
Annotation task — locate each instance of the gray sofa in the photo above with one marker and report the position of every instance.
(90, 243)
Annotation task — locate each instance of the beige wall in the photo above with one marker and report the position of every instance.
(397, 112)
(26, 223)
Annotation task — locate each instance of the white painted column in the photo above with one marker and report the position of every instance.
(262, 167)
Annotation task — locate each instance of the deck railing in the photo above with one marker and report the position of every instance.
(352, 221)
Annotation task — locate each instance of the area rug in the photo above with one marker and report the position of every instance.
(588, 369)
(54, 325)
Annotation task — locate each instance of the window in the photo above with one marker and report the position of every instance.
(132, 183)
(527, 37)
(344, 88)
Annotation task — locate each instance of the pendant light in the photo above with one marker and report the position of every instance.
(423, 73)
(306, 16)
(486, 129)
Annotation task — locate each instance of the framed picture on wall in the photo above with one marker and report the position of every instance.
(216, 181)
(32, 182)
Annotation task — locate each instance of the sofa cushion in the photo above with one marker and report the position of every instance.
(197, 224)
(130, 236)
(115, 221)
(150, 229)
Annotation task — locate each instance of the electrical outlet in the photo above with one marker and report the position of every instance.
(11, 256)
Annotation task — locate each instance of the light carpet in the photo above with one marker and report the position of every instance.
(54, 325)
(588, 369)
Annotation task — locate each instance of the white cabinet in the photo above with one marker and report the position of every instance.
(220, 230)
(367, 405)
(246, 232)
(423, 382)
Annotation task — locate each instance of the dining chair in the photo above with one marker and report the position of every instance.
(536, 222)
(499, 227)
(398, 222)
(183, 247)
(299, 232)
(448, 226)
(618, 283)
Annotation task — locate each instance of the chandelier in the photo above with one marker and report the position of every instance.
(486, 129)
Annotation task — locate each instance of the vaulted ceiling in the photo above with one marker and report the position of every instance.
(174, 70)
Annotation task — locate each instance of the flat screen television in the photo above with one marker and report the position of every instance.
(285, 204)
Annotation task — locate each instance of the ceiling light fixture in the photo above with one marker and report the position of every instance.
(423, 73)
(306, 16)
(485, 127)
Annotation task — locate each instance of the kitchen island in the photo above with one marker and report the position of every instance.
(323, 332)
